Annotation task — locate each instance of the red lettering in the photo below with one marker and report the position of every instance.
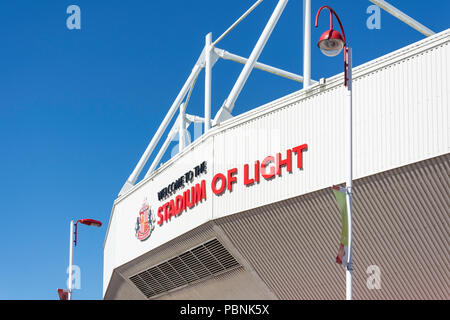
(200, 191)
(247, 181)
(221, 177)
(231, 178)
(166, 211)
(160, 215)
(264, 165)
(298, 150)
(257, 171)
(171, 210)
(188, 199)
(179, 203)
(287, 162)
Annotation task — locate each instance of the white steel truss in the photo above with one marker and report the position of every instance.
(403, 17)
(207, 59)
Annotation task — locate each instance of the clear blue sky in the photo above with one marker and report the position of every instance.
(78, 107)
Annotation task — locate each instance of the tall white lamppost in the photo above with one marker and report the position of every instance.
(73, 243)
(331, 44)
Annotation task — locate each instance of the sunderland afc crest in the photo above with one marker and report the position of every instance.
(145, 222)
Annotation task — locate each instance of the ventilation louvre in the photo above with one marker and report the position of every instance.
(202, 262)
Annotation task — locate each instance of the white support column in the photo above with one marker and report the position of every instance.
(181, 127)
(240, 82)
(349, 184)
(208, 77)
(70, 285)
(306, 44)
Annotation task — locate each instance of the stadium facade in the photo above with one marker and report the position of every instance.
(246, 211)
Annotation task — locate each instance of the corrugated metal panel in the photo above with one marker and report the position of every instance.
(400, 116)
(236, 283)
(401, 224)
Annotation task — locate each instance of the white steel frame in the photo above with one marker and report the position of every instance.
(207, 60)
(403, 17)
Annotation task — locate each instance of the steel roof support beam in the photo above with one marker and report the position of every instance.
(208, 79)
(164, 147)
(182, 127)
(403, 17)
(307, 44)
(253, 7)
(163, 126)
(261, 66)
(228, 105)
(183, 121)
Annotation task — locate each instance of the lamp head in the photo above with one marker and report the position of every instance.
(331, 43)
(91, 222)
(63, 294)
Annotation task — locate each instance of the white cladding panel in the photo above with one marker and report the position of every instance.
(300, 123)
(400, 110)
(400, 116)
(109, 256)
(122, 245)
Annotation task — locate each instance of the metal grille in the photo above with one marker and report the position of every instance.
(200, 263)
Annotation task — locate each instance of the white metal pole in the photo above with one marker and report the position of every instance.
(70, 261)
(181, 128)
(237, 22)
(208, 77)
(306, 44)
(161, 152)
(196, 119)
(403, 17)
(237, 88)
(349, 271)
(261, 66)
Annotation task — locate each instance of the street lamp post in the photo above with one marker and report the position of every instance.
(73, 243)
(331, 44)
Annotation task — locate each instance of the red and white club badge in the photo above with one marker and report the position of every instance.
(145, 222)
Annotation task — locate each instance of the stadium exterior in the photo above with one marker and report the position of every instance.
(246, 211)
